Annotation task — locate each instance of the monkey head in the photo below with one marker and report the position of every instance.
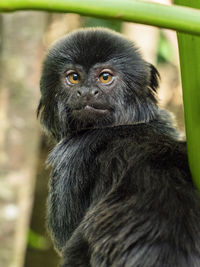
(95, 78)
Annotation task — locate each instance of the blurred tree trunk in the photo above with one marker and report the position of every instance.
(40, 251)
(20, 58)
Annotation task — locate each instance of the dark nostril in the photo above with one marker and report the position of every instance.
(95, 92)
(78, 93)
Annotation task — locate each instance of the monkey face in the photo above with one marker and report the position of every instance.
(95, 78)
(89, 93)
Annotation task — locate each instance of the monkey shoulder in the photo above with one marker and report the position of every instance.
(141, 144)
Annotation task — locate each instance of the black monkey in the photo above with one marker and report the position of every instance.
(121, 192)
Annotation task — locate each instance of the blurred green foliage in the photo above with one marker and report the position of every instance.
(37, 241)
(165, 49)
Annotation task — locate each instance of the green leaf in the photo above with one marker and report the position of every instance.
(189, 50)
(172, 17)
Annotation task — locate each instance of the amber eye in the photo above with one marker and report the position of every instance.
(73, 78)
(106, 77)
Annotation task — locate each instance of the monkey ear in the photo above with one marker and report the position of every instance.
(154, 78)
(47, 119)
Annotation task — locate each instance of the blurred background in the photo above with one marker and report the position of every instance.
(24, 38)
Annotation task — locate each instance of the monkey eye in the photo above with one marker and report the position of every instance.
(106, 77)
(73, 78)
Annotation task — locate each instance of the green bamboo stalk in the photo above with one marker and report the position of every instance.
(173, 17)
(189, 49)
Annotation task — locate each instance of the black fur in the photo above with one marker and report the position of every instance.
(121, 192)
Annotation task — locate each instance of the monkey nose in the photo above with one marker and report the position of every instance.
(87, 93)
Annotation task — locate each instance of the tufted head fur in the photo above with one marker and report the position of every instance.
(129, 99)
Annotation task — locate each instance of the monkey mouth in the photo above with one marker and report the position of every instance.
(95, 109)
(91, 111)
